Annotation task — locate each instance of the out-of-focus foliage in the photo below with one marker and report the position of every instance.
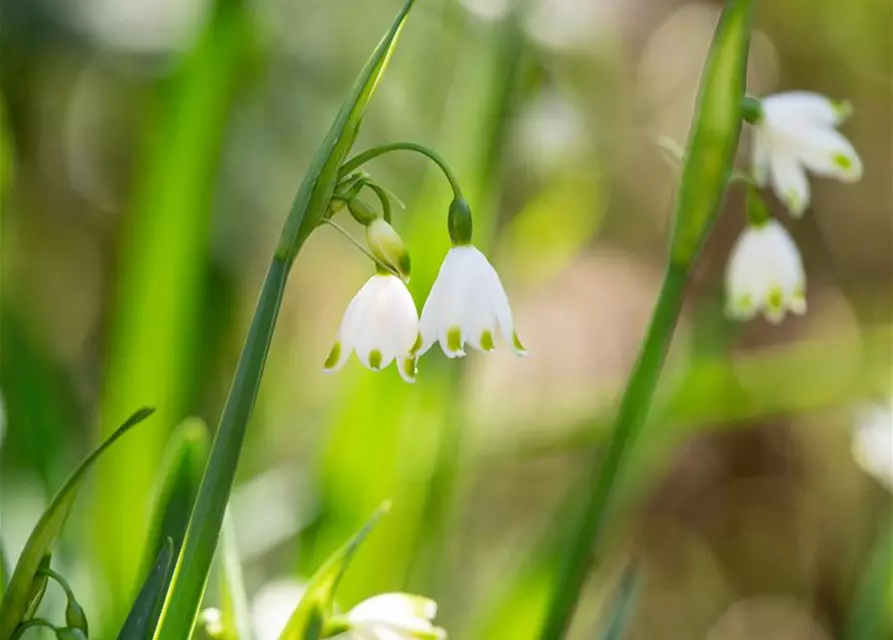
(150, 159)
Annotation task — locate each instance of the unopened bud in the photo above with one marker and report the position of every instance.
(75, 617)
(459, 222)
(387, 246)
(362, 212)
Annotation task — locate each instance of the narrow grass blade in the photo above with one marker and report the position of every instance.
(621, 608)
(233, 600)
(871, 613)
(307, 620)
(4, 570)
(191, 574)
(42, 540)
(177, 488)
(143, 616)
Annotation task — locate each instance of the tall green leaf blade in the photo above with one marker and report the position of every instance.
(871, 611)
(4, 570)
(177, 488)
(44, 536)
(307, 620)
(191, 574)
(233, 600)
(621, 608)
(143, 616)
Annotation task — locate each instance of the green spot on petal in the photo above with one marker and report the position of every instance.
(842, 161)
(843, 109)
(775, 299)
(516, 343)
(409, 367)
(375, 359)
(334, 355)
(487, 340)
(794, 202)
(454, 339)
(414, 349)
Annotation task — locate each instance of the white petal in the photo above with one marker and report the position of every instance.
(445, 304)
(790, 183)
(827, 152)
(813, 108)
(394, 609)
(760, 156)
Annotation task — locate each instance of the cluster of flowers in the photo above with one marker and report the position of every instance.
(467, 304)
(794, 133)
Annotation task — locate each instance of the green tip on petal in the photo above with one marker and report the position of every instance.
(487, 340)
(843, 161)
(414, 349)
(775, 299)
(742, 306)
(795, 204)
(375, 359)
(519, 348)
(333, 357)
(408, 365)
(454, 339)
(843, 109)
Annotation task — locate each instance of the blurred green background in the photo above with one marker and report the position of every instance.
(148, 154)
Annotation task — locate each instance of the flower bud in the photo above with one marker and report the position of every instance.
(362, 212)
(75, 617)
(387, 245)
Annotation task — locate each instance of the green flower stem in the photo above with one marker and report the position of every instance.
(382, 198)
(757, 213)
(360, 159)
(631, 415)
(31, 624)
(204, 526)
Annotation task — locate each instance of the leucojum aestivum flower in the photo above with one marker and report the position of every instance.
(467, 304)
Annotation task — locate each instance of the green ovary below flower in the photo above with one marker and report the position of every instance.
(796, 133)
(392, 616)
(381, 325)
(467, 304)
(765, 273)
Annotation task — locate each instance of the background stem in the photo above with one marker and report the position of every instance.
(633, 410)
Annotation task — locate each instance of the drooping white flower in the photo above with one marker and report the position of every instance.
(467, 304)
(797, 133)
(393, 616)
(381, 325)
(765, 273)
(872, 443)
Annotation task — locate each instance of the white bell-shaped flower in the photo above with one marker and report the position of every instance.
(467, 304)
(381, 325)
(765, 273)
(796, 133)
(393, 616)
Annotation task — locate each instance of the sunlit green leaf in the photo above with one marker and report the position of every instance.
(143, 616)
(177, 488)
(191, 575)
(307, 621)
(18, 595)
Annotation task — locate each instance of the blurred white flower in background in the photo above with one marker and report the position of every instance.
(273, 605)
(765, 273)
(797, 133)
(381, 324)
(393, 616)
(141, 26)
(872, 442)
(467, 304)
(490, 10)
(552, 132)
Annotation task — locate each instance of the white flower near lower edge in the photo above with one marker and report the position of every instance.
(872, 443)
(765, 273)
(467, 304)
(381, 325)
(795, 134)
(273, 605)
(393, 616)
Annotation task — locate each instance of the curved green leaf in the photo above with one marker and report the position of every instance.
(143, 616)
(308, 619)
(177, 488)
(15, 602)
(191, 574)
(4, 570)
